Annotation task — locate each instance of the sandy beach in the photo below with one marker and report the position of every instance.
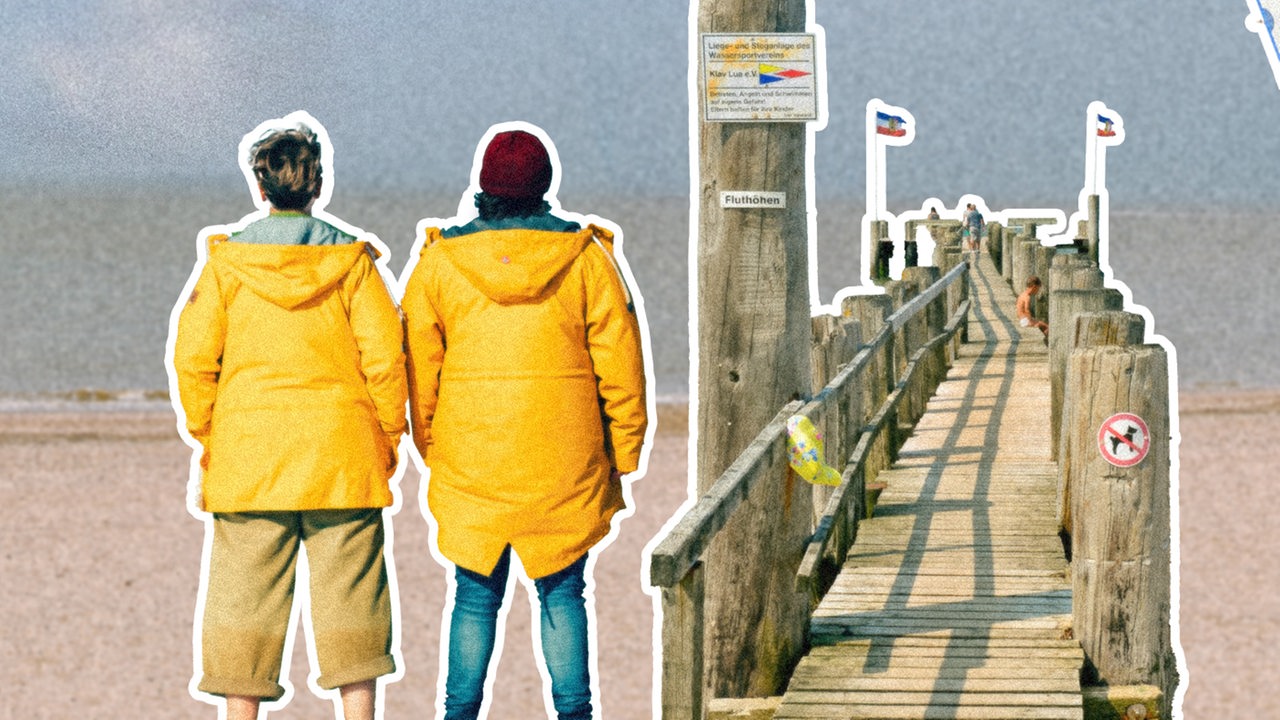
(101, 567)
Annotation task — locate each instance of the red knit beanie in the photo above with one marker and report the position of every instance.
(515, 165)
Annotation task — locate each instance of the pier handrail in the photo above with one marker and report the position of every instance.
(808, 576)
(684, 544)
(675, 564)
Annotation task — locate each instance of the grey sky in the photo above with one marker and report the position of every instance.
(123, 90)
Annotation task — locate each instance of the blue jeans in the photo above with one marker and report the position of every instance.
(473, 625)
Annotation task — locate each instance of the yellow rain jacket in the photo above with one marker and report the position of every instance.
(526, 385)
(290, 368)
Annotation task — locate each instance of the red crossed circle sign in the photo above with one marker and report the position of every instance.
(1124, 440)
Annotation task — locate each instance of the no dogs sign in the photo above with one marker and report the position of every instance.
(1124, 440)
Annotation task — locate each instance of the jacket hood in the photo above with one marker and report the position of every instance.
(287, 275)
(512, 266)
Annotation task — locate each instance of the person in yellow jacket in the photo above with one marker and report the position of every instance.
(527, 396)
(289, 367)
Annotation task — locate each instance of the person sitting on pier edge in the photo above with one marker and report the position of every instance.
(527, 402)
(1024, 306)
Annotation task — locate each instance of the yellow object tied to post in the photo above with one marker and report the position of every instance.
(805, 452)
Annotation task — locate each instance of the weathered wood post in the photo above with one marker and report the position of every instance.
(1043, 261)
(883, 248)
(1121, 534)
(957, 293)
(1089, 329)
(995, 242)
(1008, 243)
(945, 237)
(753, 334)
(683, 646)
(835, 342)
(837, 339)
(871, 311)
(906, 340)
(1071, 271)
(946, 256)
(1064, 306)
(1024, 261)
(910, 251)
(1093, 228)
(930, 322)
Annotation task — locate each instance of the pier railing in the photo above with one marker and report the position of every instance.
(863, 409)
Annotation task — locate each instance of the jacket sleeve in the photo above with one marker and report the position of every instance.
(197, 352)
(379, 336)
(613, 341)
(424, 336)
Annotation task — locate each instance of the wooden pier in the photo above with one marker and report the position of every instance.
(955, 599)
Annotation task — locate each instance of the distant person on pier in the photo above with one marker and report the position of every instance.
(934, 231)
(974, 224)
(528, 404)
(1024, 307)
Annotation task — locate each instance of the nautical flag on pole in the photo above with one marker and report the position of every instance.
(891, 125)
(1103, 127)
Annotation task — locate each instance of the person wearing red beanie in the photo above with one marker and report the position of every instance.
(528, 403)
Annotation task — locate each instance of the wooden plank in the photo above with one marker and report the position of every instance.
(911, 666)
(954, 601)
(908, 666)
(989, 647)
(942, 698)
(826, 632)
(933, 684)
(819, 707)
(989, 613)
(682, 646)
(952, 598)
(832, 619)
(936, 705)
(982, 608)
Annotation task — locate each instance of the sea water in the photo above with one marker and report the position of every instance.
(88, 280)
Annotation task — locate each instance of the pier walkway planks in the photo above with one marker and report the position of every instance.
(955, 600)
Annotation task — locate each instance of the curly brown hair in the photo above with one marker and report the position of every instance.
(287, 166)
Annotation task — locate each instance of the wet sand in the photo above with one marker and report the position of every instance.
(101, 567)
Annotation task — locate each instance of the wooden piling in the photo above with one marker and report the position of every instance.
(1064, 307)
(1043, 259)
(910, 250)
(871, 311)
(1008, 241)
(753, 305)
(1094, 231)
(947, 241)
(1089, 329)
(956, 295)
(682, 647)
(929, 323)
(1121, 531)
(836, 340)
(1024, 261)
(904, 343)
(995, 242)
(883, 246)
(1071, 271)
